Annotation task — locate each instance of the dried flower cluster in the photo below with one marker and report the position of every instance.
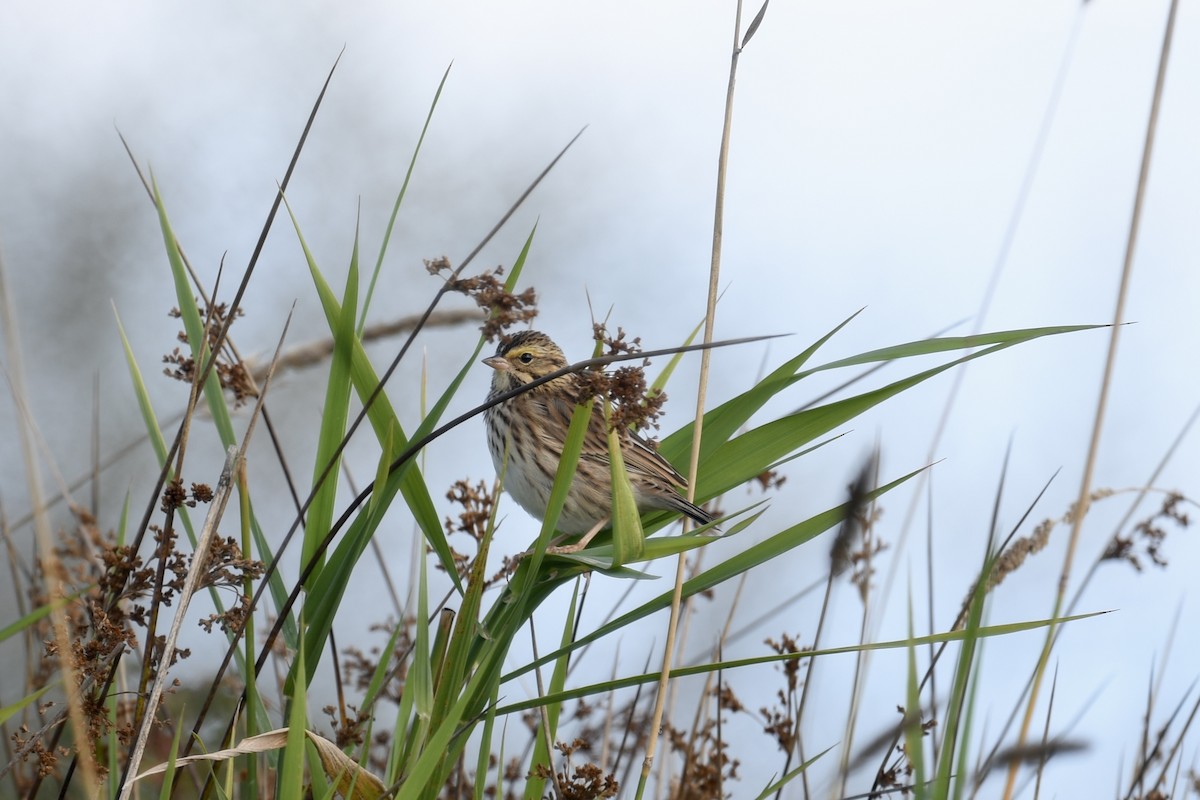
(226, 567)
(175, 496)
(232, 374)
(615, 345)
(897, 776)
(707, 765)
(477, 502)
(117, 597)
(350, 723)
(1151, 533)
(504, 308)
(779, 721)
(633, 406)
(770, 479)
(582, 782)
(857, 541)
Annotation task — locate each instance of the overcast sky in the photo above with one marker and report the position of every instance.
(879, 151)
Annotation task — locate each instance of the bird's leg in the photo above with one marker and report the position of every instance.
(567, 549)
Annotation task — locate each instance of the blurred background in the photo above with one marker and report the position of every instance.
(880, 154)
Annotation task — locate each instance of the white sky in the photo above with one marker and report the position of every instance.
(877, 155)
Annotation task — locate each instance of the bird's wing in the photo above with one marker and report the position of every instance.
(640, 456)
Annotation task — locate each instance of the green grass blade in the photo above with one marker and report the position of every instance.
(952, 737)
(383, 418)
(962, 783)
(123, 522)
(383, 668)
(660, 381)
(944, 344)
(38, 613)
(193, 325)
(702, 669)
(751, 557)
(164, 791)
(329, 588)
(486, 747)
(335, 415)
(600, 557)
(466, 630)
(325, 598)
(291, 765)
(628, 540)
(740, 459)
(722, 422)
(149, 417)
(772, 788)
(279, 594)
(6, 712)
(448, 739)
(416, 704)
(572, 447)
(256, 719)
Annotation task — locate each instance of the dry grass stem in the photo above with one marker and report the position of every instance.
(1105, 384)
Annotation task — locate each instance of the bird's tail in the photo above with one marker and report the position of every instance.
(692, 510)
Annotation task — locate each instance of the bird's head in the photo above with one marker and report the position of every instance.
(524, 357)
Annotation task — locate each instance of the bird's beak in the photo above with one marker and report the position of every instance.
(498, 363)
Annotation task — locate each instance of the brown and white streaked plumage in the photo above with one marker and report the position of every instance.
(533, 425)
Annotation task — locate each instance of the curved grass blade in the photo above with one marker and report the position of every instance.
(291, 764)
(40, 612)
(775, 786)
(701, 669)
(944, 344)
(335, 415)
(722, 422)
(740, 459)
(628, 540)
(381, 415)
(753, 556)
(194, 326)
(12, 708)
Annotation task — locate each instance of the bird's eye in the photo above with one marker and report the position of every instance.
(526, 357)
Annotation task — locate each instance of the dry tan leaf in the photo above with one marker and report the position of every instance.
(271, 740)
(349, 779)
